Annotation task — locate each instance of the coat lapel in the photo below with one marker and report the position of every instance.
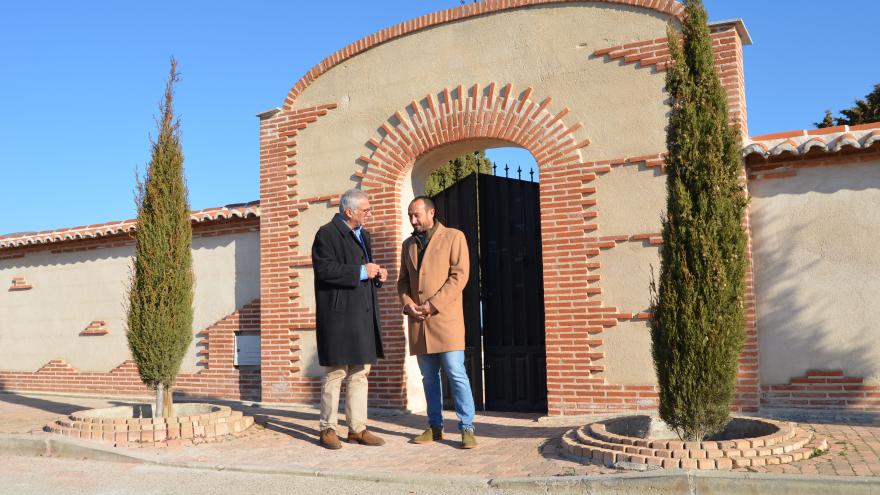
(435, 239)
(413, 251)
(368, 244)
(350, 242)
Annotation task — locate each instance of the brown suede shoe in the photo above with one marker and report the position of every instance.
(329, 440)
(365, 438)
(433, 433)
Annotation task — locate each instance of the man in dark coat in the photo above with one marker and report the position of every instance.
(349, 341)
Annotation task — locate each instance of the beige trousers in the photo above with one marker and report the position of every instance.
(355, 397)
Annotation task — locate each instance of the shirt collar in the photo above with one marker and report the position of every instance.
(356, 230)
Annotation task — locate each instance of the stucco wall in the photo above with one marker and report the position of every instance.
(630, 200)
(622, 109)
(628, 358)
(817, 267)
(626, 275)
(546, 47)
(70, 289)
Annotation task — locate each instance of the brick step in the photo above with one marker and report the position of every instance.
(581, 445)
(786, 433)
(725, 449)
(157, 431)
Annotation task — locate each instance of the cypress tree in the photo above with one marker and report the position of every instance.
(697, 327)
(160, 313)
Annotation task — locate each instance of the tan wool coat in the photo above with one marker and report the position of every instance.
(441, 280)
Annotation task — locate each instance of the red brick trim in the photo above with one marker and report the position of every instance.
(491, 112)
(597, 393)
(668, 7)
(217, 343)
(823, 389)
(283, 315)
(649, 53)
(97, 327)
(727, 49)
(746, 396)
(19, 283)
(220, 380)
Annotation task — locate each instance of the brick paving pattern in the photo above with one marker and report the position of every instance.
(510, 444)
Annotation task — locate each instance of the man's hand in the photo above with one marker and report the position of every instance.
(383, 275)
(427, 309)
(414, 311)
(372, 270)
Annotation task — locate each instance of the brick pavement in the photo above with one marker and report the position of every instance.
(510, 444)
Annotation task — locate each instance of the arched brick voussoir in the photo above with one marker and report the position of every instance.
(671, 8)
(463, 113)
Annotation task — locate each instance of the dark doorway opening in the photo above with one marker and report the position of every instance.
(504, 299)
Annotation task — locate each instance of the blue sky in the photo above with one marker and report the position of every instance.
(80, 84)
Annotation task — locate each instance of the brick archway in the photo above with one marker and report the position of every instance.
(498, 113)
(357, 137)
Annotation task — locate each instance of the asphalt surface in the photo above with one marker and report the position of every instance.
(41, 475)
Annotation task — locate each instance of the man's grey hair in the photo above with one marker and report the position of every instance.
(351, 199)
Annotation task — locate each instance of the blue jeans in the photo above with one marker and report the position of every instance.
(453, 363)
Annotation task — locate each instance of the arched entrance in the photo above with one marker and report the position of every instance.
(504, 298)
(506, 351)
(550, 76)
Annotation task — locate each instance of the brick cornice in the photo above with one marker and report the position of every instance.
(667, 7)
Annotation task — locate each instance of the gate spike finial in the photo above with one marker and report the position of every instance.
(519, 172)
(506, 169)
(532, 175)
(494, 168)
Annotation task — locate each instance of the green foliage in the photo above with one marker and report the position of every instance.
(160, 313)
(863, 112)
(697, 328)
(455, 170)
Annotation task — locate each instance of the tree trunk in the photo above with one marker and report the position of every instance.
(169, 403)
(159, 410)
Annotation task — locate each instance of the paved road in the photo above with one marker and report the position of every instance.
(37, 475)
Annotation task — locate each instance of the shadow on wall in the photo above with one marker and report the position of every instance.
(812, 290)
(825, 180)
(50, 257)
(244, 277)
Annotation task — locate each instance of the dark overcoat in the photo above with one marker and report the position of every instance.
(347, 308)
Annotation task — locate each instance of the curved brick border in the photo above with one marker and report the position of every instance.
(593, 444)
(668, 7)
(470, 113)
(154, 432)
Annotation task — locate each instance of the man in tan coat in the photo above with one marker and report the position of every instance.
(434, 269)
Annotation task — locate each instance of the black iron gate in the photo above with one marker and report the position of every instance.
(456, 207)
(504, 299)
